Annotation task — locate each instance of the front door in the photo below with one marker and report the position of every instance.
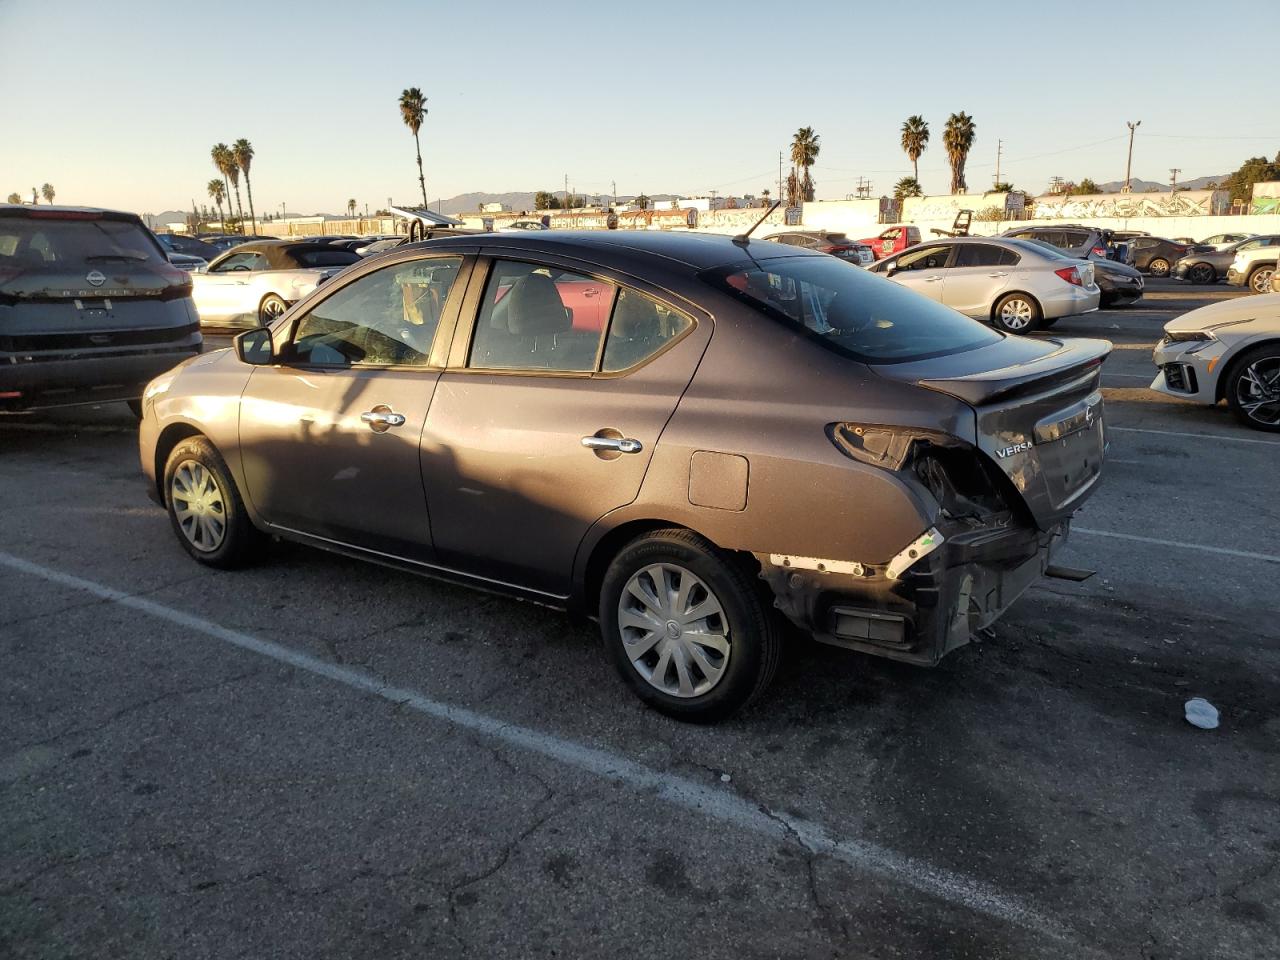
(923, 269)
(329, 435)
(541, 426)
(221, 293)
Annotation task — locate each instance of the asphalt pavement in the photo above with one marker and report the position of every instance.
(321, 758)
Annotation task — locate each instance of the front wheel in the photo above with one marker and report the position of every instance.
(205, 508)
(1202, 273)
(1253, 388)
(686, 628)
(1159, 267)
(1017, 313)
(270, 309)
(1260, 279)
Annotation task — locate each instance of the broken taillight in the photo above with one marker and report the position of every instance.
(1071, 275)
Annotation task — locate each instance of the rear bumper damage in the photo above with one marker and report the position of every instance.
(934, 606)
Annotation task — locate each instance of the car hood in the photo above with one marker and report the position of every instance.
(1265, 308)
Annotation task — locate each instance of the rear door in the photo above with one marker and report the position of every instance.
(977, 276)
(539, 428)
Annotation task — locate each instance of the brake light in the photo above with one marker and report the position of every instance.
(10, 394)
(1071, 275)
(62, 214)
(1099, 251)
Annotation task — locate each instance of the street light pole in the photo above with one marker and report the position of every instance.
(1128, 165)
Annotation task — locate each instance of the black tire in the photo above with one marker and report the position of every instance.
(1260, 279)
(1158, 267)
(750, 626)
(239, 537)
(1236, 384)
(1026, 320)
(270, 308)
(1202, 273)
(135, 407)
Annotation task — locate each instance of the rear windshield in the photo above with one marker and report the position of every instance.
(849, 310)
(36, 243)
(326, 258)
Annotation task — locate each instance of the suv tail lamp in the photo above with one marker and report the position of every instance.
(1099, 251)
(1071, 275)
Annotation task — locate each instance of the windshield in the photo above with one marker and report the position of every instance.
(49, 243)
(849, 310)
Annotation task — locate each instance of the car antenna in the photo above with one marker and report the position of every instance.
(743, 239)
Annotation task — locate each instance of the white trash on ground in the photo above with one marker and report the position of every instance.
(1201, 713)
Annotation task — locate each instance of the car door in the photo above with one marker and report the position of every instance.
(219, 292)
(977, 276)
(538, 428)
(922, 269)
(329, 434)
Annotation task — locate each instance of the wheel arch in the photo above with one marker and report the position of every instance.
(172, 435)
(1231, 360)
(1005, 294)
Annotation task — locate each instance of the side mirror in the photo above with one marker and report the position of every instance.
(254, 347)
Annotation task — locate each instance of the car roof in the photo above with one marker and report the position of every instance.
(696, 251)
(48, 210)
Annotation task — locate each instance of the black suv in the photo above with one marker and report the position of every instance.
(91, 309)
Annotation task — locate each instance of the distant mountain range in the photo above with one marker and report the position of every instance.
(1151, 186)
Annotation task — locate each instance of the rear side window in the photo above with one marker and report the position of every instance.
(326, 258)
(640, 328)
(850, 311)
(36, 243)
(984, 255)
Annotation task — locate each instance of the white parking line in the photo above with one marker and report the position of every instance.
(1182, 544)
(714, 802)
(1198, 436)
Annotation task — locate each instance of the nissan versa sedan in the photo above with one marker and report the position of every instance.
(1018, 286)
(253, 283)
(691, 438)
(1226, 351)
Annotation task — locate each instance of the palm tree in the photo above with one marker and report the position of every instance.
(915, 137)
(413, 108)
(805, 146)
(15, 198)
(47, 192)
(242, 152)
(907, 187)
(958, 139)
(351, 208)
(217, 192)
(766, 194)
(224, 161)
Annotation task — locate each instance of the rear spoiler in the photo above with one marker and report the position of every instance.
(1073, 360)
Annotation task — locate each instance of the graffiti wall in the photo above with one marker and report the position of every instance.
(1266, 197)
(1185, 203)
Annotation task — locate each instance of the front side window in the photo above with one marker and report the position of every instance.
(926, 258)
(239, 262)
(541, 318)
(852, 312)
(388, 318)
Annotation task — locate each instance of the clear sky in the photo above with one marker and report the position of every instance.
(117, 102)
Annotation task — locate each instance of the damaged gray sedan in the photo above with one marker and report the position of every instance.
(687, 438)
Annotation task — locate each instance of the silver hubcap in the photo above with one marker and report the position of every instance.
(199, 506)
(272, 309)
(674, 630)
(1258, 390)
(1159, 268)
(1016, 314)
(1261, 280)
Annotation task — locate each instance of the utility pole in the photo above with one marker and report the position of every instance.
(999, 150)
(1128, 165)
(712, 205)
(613, 196)
(566, 191)
(1173, 179)
(780, 196)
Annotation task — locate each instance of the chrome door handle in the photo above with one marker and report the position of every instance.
(382, 418)
(1002, 274)
(931, 279)
(620, 444)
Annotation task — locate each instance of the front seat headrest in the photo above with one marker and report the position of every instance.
(534, 308)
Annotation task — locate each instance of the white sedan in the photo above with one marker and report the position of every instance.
(1226, 351)
(1017, 286)
(252, 284)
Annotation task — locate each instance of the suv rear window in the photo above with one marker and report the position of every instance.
(27, 243)
(848, 310)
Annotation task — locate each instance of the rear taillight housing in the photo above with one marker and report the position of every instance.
(1071, 275)
(1099, 251)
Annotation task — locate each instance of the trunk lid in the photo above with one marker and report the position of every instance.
(1038, 412)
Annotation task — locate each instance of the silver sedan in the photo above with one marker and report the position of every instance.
(1014, 285)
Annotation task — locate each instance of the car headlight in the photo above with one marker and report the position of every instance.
(1183, 336)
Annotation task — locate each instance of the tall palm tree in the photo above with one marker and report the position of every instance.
(805, 146)
(915, 137)
(15, 198)
(47, 192)
(217, 192)
(957, 137)
(223, 161)
(413, 109)
(351, 208)
(242, 152)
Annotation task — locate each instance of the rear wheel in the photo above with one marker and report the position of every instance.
(686, 628)
(1017, 313)
(1202, 273)
(1253, 388)
(1260, 278)
(1158, 267)
(272, 307)
(205, 508)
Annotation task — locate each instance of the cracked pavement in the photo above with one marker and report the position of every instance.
(166, 794)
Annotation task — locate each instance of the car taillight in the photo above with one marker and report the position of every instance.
(1071, 275)
(1099, 251)
(39, 214)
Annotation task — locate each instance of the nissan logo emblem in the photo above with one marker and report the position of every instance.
(96, 278)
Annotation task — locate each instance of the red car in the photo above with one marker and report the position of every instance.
(894, 240)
